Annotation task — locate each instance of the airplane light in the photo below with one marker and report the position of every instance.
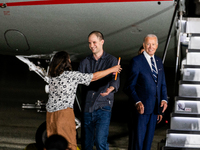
(3, 5)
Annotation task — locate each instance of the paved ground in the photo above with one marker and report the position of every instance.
(18, 127)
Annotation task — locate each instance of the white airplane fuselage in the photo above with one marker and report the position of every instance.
(43, 27)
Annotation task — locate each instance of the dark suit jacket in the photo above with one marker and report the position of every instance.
(141, 86)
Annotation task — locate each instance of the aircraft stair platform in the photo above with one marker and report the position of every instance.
(184, 132)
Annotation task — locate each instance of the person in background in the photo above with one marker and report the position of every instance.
(99, 96)
(63, 84)
(131, 121)
(141, 50)
(56, 142)
(147, 90)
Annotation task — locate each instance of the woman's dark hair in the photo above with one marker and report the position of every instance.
(59, 64)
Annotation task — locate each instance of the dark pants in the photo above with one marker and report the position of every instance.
(142, 131)
(96, 126)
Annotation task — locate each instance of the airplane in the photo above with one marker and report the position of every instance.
(33, 28)
(38, 28)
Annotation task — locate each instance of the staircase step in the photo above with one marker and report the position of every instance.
(183, 138)
(192, 25)
(189, 88)
(194, 42)
(190, 50)
(185, 121)
(189, 82)
(191, 73)
(187, 98)
(185, 115)
(191, 66)
(193, 55)
(187, 105)
(183, 132)
(195, 34)
(178, 148)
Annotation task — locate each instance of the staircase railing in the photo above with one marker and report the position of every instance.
(170, 30)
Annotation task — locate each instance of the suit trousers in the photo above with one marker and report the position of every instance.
(62, 122)
(142, 132)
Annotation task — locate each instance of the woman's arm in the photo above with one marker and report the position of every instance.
(100, 74)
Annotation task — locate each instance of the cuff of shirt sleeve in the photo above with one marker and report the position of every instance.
(137, 103)
(165, 101)
(114, 88)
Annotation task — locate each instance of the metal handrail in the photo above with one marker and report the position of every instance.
(178, 48)
(170, 30)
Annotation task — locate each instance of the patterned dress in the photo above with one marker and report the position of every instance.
(62, 89)
(60, 118)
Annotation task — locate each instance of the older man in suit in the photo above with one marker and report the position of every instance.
(147, 90)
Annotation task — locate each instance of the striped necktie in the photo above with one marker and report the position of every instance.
(155, 74)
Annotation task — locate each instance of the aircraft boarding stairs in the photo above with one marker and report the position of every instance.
(184, 132)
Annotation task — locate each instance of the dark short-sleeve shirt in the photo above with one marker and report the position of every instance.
(91, 94)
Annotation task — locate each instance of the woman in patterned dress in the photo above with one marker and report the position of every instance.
(63, 83)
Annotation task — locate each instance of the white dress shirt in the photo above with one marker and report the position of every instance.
(148, 58)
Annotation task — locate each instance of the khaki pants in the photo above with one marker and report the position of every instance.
(62, 122)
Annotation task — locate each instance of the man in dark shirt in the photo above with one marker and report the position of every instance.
(99, 95)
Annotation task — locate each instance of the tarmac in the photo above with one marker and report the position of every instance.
(122, 142)
(18, 126)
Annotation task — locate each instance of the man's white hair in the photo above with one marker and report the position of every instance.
(150, 35)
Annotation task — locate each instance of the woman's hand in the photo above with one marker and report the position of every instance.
(117, 68)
